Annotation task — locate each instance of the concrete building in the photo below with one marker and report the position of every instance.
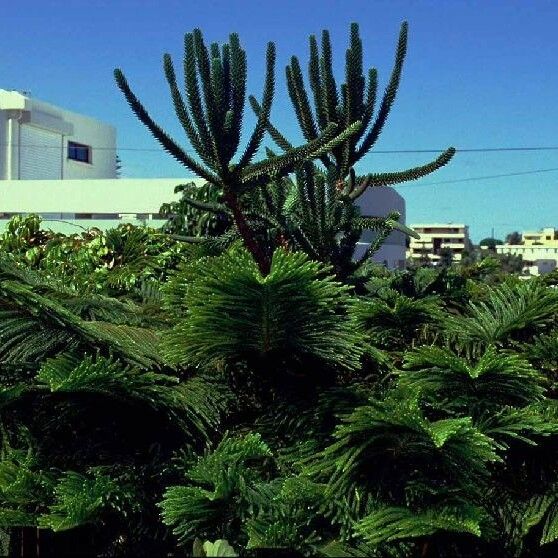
(69, 206)
(62, 166)
(39, 141)
(434, 237)
(539, 251)
(545, 237)
(378, 202)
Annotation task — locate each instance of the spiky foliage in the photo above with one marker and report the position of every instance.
(212, 116)
(108, 378)
(543, 352)
(34, 327)
(369, 436)
(252, 315)
(321, 217)
(512, 311)
(379, 490)
(452, 455)
(389, 524)
(354, 101)
(395, 321)
(223, 485)
(80, 499)
(311, 213)
(496, 379)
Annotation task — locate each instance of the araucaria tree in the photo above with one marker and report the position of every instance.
(212, 116)
(316, 212)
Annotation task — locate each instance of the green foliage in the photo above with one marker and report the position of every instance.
(190, 215)
(233, 311)
(22, 488)
(395, 320)
(512, 310)
(354, 101)
(223, 486)
(369, 437)
(212, 113)
(115, 262)
(35, 327)
(23, 237)
(391, 524)
(80, 499)
(453, 383)
(490, 243)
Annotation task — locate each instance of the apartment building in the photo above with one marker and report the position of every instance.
(545, 237)
(436, 236)
(39, 141)
(538, 250)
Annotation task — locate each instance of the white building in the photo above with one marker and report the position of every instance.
(39, 141)
(62, 166)
(537, 260)
(547, 237)
(539, 251)
(434, 237)
(378, 202)
(67, 205)
(71, 205)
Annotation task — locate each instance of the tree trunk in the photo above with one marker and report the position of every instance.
(247, 234)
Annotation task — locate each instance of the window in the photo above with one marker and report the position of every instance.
(79, 152)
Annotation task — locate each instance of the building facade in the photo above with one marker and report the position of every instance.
(436, 236)
(62, 166)
(378, 202)
(539, 251)
(70, 205)
(545, 237)
(39, 141)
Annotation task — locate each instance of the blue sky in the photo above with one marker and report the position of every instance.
(478, 74)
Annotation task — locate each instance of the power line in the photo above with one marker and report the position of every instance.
(476, 178)
(465, 150)
(374, 152)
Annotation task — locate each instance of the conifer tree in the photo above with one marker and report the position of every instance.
(212, 114)
(325, 219)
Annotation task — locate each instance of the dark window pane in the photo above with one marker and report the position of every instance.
(78, 152)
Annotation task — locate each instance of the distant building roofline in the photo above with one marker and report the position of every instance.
(16, 100)
(438, 225)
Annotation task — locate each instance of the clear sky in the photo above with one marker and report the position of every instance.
(478, 74)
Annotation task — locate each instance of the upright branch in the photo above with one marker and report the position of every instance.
(211, 113)
(353, 101)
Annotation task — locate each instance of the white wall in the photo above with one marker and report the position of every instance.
(102, 138)
(62, 199)
(538, 260)
(378, 202)
(4, 140)
(103, 196)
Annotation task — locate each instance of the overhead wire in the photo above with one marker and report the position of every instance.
(379, 152)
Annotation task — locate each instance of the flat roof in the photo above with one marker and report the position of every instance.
(15, 100)
(439, 225)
